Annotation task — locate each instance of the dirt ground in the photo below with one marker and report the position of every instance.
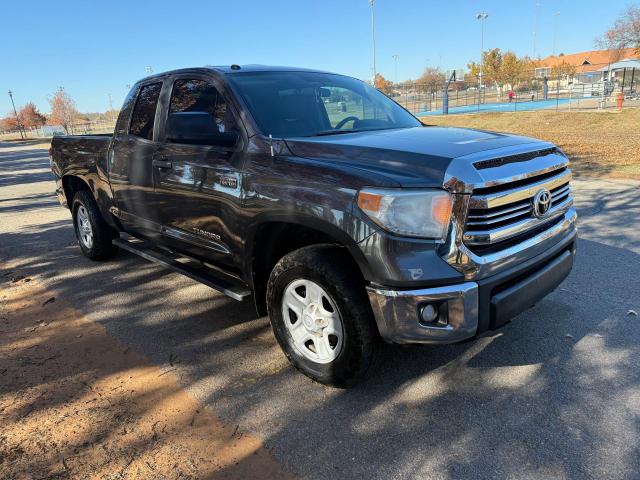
(75, 403)
(599, 143)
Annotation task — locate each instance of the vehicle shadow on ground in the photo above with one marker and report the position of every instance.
(24, 143)
(446, 397)
(533, 399)
(24, 167)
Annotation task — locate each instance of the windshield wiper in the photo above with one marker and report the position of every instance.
(322, 133)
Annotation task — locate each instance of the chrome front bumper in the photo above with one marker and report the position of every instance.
(397, 313)
(475, 306)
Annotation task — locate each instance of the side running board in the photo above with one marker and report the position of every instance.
(204, 275)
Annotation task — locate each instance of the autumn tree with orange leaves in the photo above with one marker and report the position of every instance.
(63, 110)
(383, 84)
(431, 80)
(8, 123)
(30, 117)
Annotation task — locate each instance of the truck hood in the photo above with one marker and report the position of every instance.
(416, 157)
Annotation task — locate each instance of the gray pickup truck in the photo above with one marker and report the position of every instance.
(334, 209)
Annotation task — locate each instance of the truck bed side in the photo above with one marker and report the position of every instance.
(80, 162)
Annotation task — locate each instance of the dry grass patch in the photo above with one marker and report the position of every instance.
(600, 143)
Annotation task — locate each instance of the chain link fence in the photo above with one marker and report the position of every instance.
(80, 128)
(604, 86)
(597, 88)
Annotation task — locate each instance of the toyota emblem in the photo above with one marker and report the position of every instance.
(542, 203)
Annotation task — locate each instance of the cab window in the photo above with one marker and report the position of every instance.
(145, 111)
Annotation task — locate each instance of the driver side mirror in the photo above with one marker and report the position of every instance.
(198, 128)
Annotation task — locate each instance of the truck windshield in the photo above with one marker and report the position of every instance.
(294, 104)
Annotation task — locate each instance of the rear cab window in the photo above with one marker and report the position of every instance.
(144, 112)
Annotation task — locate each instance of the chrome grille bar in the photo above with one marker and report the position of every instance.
(484, 237)
(498, 216)
(513, 195)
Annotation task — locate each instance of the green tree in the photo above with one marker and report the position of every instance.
(63, 110)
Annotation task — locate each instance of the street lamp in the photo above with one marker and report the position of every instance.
(373, 39)
(148, 69)
(396, 57)
(16, 114)
(535, 27)
(482, 16)
(555, 30)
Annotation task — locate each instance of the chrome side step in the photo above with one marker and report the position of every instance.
(202, 275)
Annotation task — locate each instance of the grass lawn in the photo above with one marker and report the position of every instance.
(599, 143)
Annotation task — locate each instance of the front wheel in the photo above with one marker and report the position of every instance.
(320, 315)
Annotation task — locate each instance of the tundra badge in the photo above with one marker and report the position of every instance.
(228, 181)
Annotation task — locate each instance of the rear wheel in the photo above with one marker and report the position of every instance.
(320, 315)
(93, 233)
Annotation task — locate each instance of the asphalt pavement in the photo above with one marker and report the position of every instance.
(554, 394)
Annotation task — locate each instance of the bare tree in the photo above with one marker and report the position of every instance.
(625, 32)
(432, 79)
(63, 110)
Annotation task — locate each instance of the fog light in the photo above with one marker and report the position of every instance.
(429, 313)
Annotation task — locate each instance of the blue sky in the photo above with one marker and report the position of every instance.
(95, 48)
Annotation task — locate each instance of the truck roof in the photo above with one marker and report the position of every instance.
(232, 69)
(262, 68)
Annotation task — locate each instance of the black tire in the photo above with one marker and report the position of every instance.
(100, 248)
(332, 269)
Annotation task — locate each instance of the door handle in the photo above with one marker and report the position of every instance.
(162, 164)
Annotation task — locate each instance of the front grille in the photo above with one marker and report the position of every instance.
(504, 214)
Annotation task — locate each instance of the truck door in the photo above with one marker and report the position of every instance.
(130, 163)
(197, 172)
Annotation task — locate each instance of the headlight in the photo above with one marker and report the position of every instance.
(413, 213)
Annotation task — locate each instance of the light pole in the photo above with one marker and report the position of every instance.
(110, 108)
(482, 16)
(373, 39)
(535, 27)
(16, 114)
(555, 30)
(396, 57)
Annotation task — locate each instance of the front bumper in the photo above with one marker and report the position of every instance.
(471, 308)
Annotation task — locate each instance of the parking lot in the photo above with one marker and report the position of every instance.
(554, 394)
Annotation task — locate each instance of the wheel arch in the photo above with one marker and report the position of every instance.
(72, 184)
(272, 238)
